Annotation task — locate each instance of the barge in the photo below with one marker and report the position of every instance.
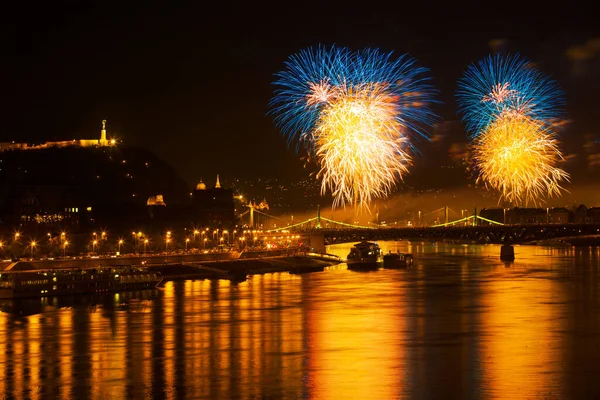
(397, 260)
(365, 255)
(56, 282)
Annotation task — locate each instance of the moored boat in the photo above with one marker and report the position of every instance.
(365, 255)
(397, 260)
(56, 282)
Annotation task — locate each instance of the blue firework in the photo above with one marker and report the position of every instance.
(296, 115)
(502, 83)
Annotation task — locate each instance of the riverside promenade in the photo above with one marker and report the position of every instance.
(225, 265)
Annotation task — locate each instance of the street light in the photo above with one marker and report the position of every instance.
(145, 244)
(121, 241)
(94, 243)
(196, 232)
(33, 244)
(65, 244)
(187, 240)
(17, 234)
(167, 241)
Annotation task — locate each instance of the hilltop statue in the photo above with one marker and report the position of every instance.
(103, 124)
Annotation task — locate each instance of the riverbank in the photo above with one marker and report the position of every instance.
(240, 268)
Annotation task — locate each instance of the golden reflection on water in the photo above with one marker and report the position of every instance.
(521, 343)
(459, 324)
(354, 346)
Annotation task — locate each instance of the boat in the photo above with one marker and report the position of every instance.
(56, 282)
(397, 260)
(365, 255)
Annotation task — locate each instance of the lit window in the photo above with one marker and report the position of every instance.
(89, 208)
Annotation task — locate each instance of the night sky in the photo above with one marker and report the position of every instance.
(194, 87)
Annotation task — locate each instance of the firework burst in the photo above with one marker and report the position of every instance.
(510, 110)
(356, 113)
(519, 157)
(499, 84)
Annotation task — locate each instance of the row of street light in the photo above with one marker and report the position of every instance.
(200, 237)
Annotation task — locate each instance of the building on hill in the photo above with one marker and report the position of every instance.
(102, 142)
(213, 207)
(74, 187)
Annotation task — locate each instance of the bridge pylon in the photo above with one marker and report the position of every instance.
(318, 222)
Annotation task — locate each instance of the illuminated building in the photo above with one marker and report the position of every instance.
(156, 201)
(102, 142)
(201, 185)
(213, 207)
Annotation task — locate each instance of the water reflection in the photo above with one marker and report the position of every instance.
(459, 324)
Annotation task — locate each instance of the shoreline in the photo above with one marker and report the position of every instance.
(239, 269)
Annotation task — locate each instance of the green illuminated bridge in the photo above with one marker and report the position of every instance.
(471, 228)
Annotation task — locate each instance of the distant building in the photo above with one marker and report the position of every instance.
(51, 206)
(580, 214)
(593, 215)
(559, 215)
(494, 214)
(156, 201)
(102, 142)
(524, 216)
(213, 207)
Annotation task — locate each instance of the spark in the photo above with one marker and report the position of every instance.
(500, 93)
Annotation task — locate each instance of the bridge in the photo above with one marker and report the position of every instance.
(472, 228)
(494, 233)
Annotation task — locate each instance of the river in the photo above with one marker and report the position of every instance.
(459, 324)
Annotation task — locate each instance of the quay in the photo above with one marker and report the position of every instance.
(239, 269)
(139, 260)
(226, 265)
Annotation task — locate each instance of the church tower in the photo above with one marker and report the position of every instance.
(103, 141)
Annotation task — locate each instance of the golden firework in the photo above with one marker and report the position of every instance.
(519, 157)
(359, 145)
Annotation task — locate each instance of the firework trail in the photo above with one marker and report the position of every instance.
(356, 114)
(509, 109)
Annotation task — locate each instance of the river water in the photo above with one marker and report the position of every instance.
(459, 324)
